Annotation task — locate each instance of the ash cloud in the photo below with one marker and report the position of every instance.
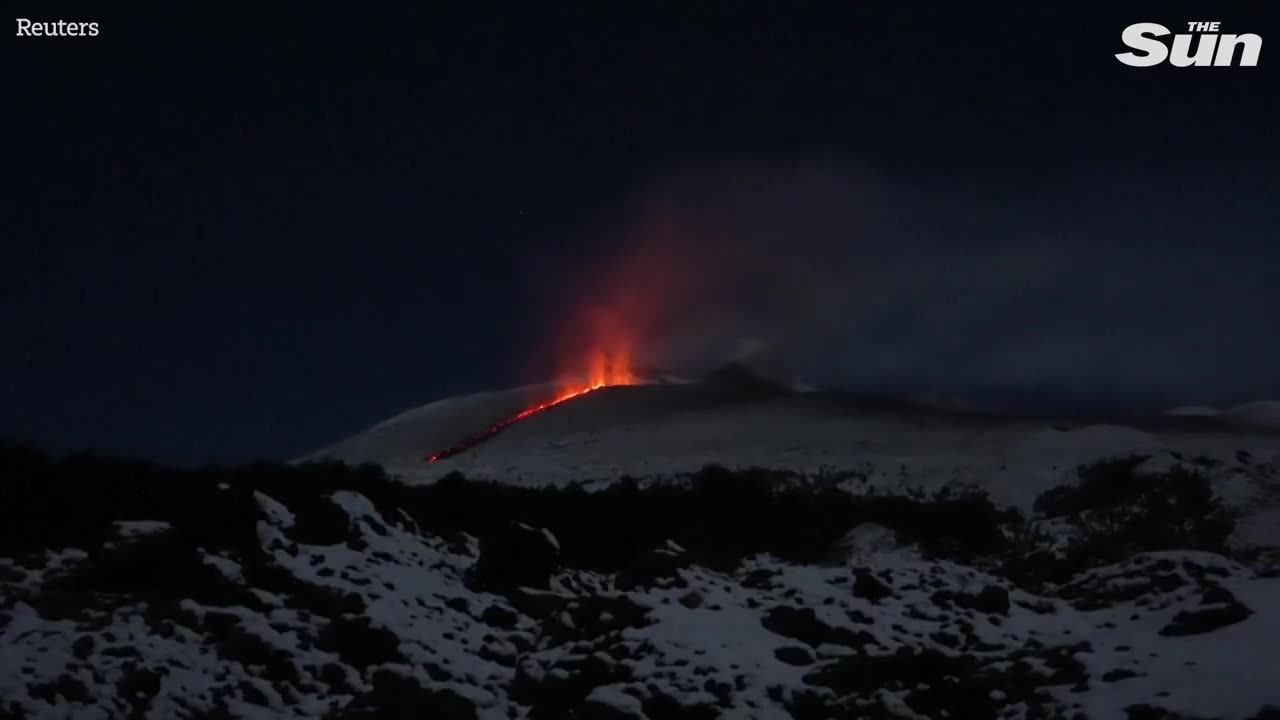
(1129, 294)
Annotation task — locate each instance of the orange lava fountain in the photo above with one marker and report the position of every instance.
(604, 369)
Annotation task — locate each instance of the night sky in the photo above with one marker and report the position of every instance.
(246, 232)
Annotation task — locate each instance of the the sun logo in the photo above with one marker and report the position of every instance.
(1212, 49)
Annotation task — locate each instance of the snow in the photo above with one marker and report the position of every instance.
(1262, 415)
(614, 697)
(277, 515)
(132, 529)
(665, 430)
(721, 650)
(230, 569)
(1241, 656)
(402, 600)
(1258, 415)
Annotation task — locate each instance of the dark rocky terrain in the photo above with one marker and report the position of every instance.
(323, 590)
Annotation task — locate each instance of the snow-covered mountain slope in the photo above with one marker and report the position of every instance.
(661, 430)
(1260, 415)
(415, 432)
(648, 430)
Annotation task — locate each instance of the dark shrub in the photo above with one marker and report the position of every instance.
(721, 516)
(1119, 512)
(1101, 484)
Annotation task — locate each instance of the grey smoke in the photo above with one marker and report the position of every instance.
(1127, 289)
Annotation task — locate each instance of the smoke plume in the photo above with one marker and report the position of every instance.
(1089, 293)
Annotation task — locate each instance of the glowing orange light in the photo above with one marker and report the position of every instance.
(604, 369)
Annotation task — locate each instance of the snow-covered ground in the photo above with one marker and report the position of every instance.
(383, 618)
(332, 604)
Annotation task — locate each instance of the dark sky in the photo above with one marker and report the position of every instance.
(244, 231)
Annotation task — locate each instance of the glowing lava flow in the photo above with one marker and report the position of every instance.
(600, 375)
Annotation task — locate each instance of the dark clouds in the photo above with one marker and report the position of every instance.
(1124, 291)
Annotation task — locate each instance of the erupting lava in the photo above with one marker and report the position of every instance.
(603, 370)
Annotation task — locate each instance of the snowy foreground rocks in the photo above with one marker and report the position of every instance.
(335, 603)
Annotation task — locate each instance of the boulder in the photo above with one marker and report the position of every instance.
(1206, 619)
(794, 655)
(517, 556)
(869, 587)
(657, 568)
(803, 624)
(399, 696)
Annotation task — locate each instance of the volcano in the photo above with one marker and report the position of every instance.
(653, 425)
(605, 370)
(475, 439)
(732, 379)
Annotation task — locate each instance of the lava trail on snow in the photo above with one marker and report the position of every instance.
(475, 439)
(605, 368)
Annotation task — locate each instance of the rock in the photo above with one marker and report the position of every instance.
(537, 604)
(594, 616)
(794, 655)
(905, 668)
(82, 648)
(1038, 566)
(869, 540)
(691, 600)
(357, 641)
(320, 522)
(993, 600)
(504, 655)
(500, 617)
(460, 543)
(566, 683)
(518, 556)
(325, 600)
(1143, 711)
(1121, 583)
(1206, 619)
(64, 689)
(398, 696)
(760, 578)
(609, 703)
(335, 676)
(156, 564)
(664, 707)
(946, 639)
(656, 568)
(803, 624)
(139, 685)
(868, 586)
(1217, 594)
